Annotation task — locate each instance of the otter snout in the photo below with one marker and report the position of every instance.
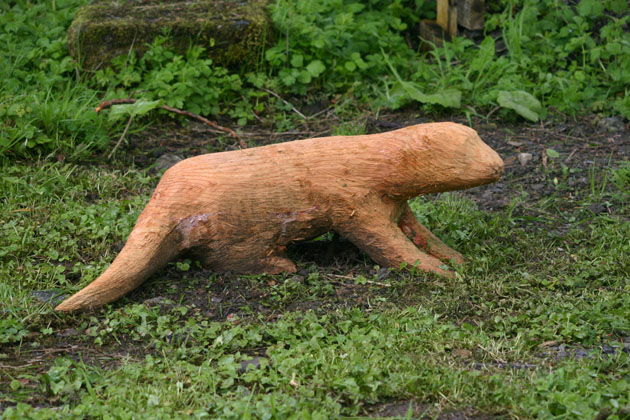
(484, 165)
(496, 166)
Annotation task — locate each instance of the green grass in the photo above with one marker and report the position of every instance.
(487, 339)
(537, 57)
(533, 326)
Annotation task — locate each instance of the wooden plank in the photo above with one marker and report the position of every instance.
(452, 18)
(442, 13)
(447, 16)
(445, 25)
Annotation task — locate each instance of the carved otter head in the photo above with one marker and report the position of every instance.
(441, 157)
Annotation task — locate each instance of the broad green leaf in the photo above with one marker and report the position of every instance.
(396, 97)
(140, 107)
(447, 97)
(614, 48)
(288, 77)
(315, 68)
(618, 6)
(297, 60)
(402, 92)
(484, 56)
(523, 103)
(450, 98)
(304, 77)
(350, 66)
(592, 8)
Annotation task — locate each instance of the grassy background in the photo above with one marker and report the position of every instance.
(536, 57)
(488, 339)
(535, 325)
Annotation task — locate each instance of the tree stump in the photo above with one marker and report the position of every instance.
(238, 211)
(232, 32)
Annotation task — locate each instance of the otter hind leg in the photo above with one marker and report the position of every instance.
(277, 264)
(423, 238)
(249, 258)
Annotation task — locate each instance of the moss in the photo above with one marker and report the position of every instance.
(232, 32)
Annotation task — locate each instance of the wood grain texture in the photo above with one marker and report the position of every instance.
(238, 211)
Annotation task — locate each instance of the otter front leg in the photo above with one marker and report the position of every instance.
(422, 237)
(386, 244)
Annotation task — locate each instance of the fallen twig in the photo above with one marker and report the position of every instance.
(363, 281)
(22, 210)
(106, 104)
(297, 111)
(570, 155)
(122, 136)
(553, 133)
(208, 122)
(492, 111)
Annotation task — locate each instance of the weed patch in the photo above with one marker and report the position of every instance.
(535, 57)
(534, 325)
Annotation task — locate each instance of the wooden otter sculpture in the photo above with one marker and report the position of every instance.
(237, 211)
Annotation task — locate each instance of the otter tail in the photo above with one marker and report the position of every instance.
(150, 246)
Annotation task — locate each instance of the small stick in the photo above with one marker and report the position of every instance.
(570, 155)
(22, 210)
(208, 122)
(366, 280)
(271, 92)
(121, 138)
(109, 103)
(492, 111)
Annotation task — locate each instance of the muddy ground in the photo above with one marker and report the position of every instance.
(580, 145)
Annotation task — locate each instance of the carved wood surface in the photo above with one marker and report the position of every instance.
(238, 211)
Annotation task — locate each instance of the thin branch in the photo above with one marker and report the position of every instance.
(492, 111)
(364, 280)
(208, 122)
(109, 103)
(22, 210)
(121, 138)
(297, 111)
(570, 155)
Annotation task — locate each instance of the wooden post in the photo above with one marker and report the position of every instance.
(447, 16)
(445, 25)
(442, 13)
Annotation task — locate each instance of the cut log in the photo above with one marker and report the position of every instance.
(238, 211)
(232, 32)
